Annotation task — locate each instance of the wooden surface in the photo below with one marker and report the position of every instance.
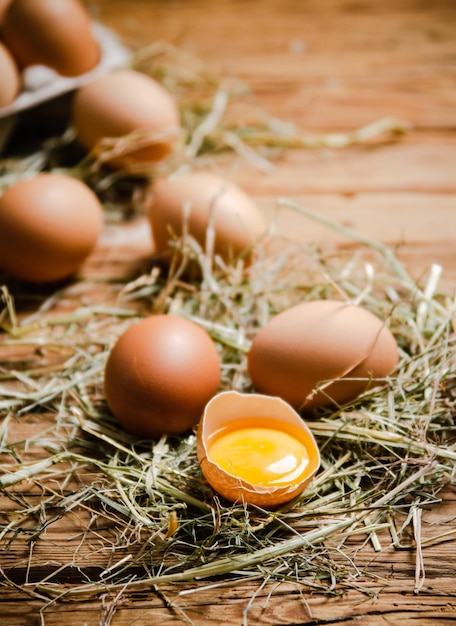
(328, 66)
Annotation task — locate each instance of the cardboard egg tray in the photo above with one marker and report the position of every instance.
(42, 84)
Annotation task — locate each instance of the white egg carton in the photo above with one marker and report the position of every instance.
(41, 84)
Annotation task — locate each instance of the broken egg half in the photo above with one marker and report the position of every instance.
(255, 449)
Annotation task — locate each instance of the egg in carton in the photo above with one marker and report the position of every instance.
(42, 85)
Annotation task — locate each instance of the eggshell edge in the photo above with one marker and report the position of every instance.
(231, 405)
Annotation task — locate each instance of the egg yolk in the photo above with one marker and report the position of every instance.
(261, 455)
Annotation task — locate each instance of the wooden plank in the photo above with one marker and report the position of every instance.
(329, 65)
(416, 164)
(278, 604)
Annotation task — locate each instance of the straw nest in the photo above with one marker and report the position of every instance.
(145, 514)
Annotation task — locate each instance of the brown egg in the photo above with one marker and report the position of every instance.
(49, 224)
(9, 77)
(121, 103)
(201, 199)
(160, 374)
(56, 33)
(320, 353)
(256, 449)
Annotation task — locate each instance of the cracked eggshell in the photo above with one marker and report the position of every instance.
(159, 375)
(340, 348)
(230, 407)
(201, 202)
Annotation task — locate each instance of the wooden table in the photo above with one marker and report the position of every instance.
(331, 66)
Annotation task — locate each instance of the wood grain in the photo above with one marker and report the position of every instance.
(325, 66)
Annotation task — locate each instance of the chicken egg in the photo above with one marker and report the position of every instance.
(49, 224)
(10, 82)
(120, 103)
(255, 449)
(195, 201)
(55, 33)
(160, 374)
(320, 353)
